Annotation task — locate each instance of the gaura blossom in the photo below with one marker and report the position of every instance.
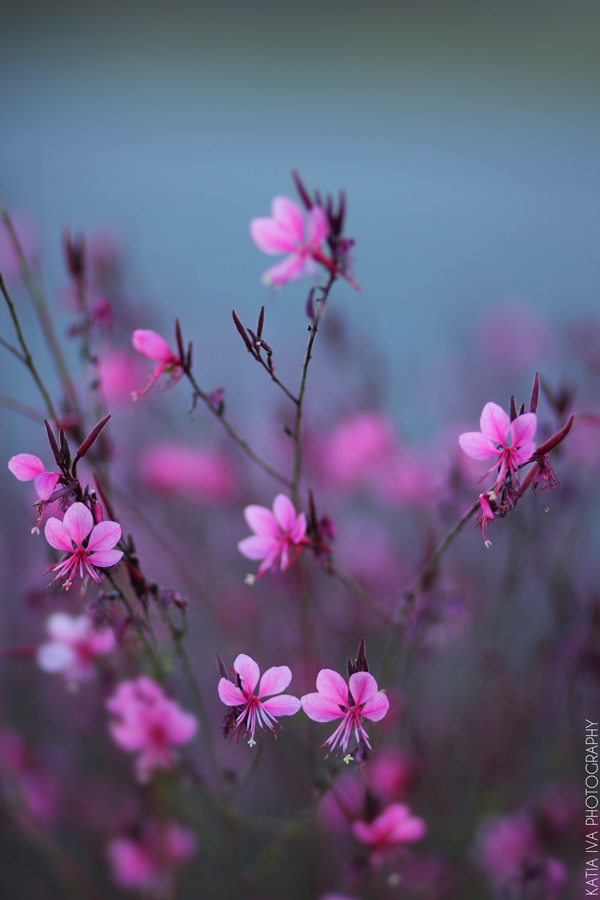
(148, 723)
(278, 536)
(76, 529)
(394, 826)
(252, 709)
(285, 232)
(26, 467)
(510, 442)
(152, 345)
(145, 861)
(74, 644)
(335, 699)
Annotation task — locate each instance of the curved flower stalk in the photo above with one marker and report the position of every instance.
(252, 709)
(285, 232)
(74, 644)
(148, 723)
(88, 546)
(351, 702)
(278, 536)
(154, 347)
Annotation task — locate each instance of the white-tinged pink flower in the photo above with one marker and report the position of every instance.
(73, 646)
(285, 232)
(278, 536)
(26, 467)
(153, 346)
(351, 702)
(254, 710)
(146, 860)
(510, 442)
(76, 530)
(148, 723)
(394, 826)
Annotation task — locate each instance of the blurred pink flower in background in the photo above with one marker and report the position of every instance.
(278, 535)
(284, 232)
(119, 375)
(25, 230)
(199, 475)
(36, 786)
(391, 773)
(74, 644)
(395, 826)
(148, 723)
(347, 455)
(154, 347)
(26, 467)
(77, 524)
(515, 338)
(335, 699)
(146, 861)
(254, 710)
(407, 479)
(510, 442)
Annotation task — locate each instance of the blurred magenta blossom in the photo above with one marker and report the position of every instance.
(74, 644)
(145, 861)
(199, 475)
(284, 232)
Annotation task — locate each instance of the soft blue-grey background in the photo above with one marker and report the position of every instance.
(466, 136)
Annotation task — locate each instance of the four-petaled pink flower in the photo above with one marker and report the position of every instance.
(74, 644)
(152, 345)
(254, 709)
(76, 529)
(335, 700)
(510, 442)
(27, 467)
(278, 536)
(284, 232)
(394, 826)
(148, 723)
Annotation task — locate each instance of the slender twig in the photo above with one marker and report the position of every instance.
(42, 313)
(148, 648)
(12, 350)
(27, 359)
(198, 392)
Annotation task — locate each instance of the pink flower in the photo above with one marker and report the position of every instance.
(73, 646)
(394, 826)
(253, 709)
(146, 860)
(278, 535)
(334, 700)
(26, 467)
(78, 528)
(192, 473)
(284, 232)
(487, 514)
(152, 345)
(357, 445)
(148, 723)
(510, 442)
(119, 375)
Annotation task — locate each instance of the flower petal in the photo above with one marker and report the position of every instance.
(270, 237)
(57, 535)
(104, 536)
(230, 694)
(45, 483)
(476, 445)
(25, 466)
(248, 671)
(105, 558)
(523, 454)
(299, 529)
(55, 657)
(78, 522)
(411, 829)
(318, 226)
(151, 345)
(332, 686)
(256, 547)
(523, 429)
(362, 687)
(289, 216)
(285, 705)
(320, 708)
(262, 521)
(494, 423)
(285, 513)
(67, 629)
(376, 708)
(289, 269)
(274, 681)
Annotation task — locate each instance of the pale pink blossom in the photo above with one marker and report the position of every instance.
(253, 710)
(148, 723)
(119, 375)
(335, 699)
(76, 530)
(285, 232)
(349, 453)
(278, 536)
(153, 346)
(395, 826)
(146, 861)
(26, 467)
(510, 442)
(73, 646)
(192, 473)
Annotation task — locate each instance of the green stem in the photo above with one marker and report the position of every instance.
(359, 592)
